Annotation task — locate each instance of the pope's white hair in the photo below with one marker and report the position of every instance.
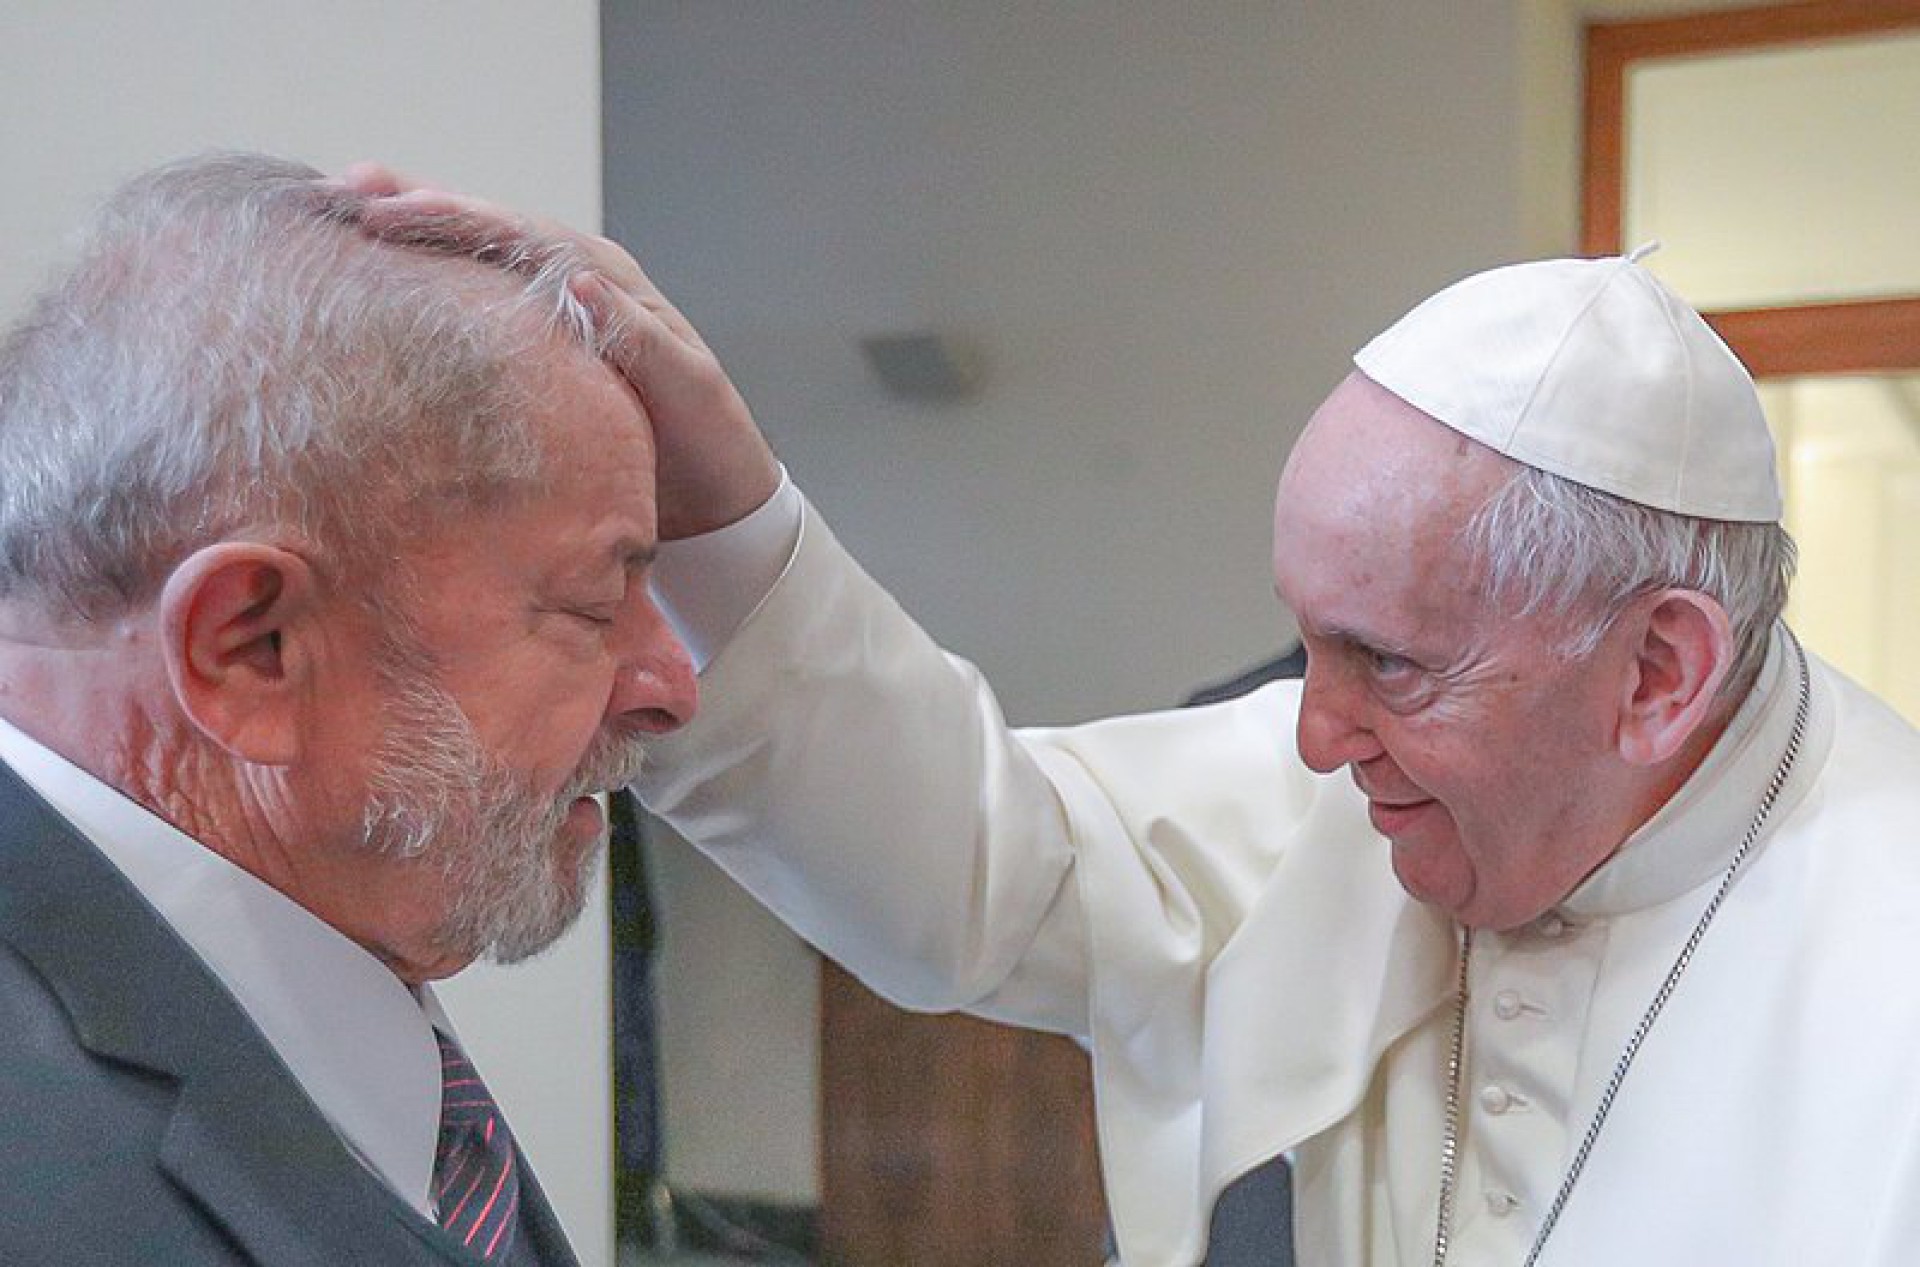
(232, 353)
(1544, 544)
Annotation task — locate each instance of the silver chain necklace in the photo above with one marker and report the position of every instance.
(1450, 1145)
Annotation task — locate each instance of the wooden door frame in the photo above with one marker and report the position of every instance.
(1863, 336)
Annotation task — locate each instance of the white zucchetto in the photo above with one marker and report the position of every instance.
(1592, 370)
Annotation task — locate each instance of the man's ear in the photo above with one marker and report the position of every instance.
(234, 619)
(1682, 651)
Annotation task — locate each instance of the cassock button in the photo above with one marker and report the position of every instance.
(1495, 1099)
(1551, 926)
(1501, 1204)
(1506, 1005)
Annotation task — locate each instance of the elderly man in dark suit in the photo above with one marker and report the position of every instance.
(323, 619)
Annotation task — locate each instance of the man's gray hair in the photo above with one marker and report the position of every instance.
(232, 353)
(1544, 544)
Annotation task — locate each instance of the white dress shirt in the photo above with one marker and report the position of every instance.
(356, 1038)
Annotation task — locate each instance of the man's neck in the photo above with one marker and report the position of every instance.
(94, 694)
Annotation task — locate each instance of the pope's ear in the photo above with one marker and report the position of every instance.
(1682, 650)
(234, 619)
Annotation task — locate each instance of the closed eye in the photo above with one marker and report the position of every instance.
(587, 614)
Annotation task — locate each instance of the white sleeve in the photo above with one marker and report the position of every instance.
(707, 586)
(862, 784)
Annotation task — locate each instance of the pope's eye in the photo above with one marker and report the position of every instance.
(1385, 664)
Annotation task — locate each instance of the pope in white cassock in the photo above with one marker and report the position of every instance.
(1567, 910)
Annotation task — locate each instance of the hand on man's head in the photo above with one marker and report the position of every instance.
(714, 465)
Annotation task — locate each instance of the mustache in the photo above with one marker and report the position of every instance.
(613, 761)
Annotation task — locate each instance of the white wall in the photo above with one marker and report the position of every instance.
(497, 96)
(1168, 225)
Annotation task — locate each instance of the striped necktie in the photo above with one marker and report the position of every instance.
(476, 1188)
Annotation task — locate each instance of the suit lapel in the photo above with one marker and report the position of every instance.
(242, 1138)
(544, 1240)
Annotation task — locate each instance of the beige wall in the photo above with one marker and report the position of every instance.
(498, 96)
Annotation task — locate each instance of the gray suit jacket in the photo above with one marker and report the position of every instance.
(143, 1118)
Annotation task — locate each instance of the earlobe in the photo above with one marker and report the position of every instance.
(231, 618)
(1683, 653)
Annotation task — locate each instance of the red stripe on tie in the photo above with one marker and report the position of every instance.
(474, 1155)
(506, 1221)
(480, 1219)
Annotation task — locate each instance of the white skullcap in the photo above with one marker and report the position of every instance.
(1594, 371)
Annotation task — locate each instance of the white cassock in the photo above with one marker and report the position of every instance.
(1222, 926)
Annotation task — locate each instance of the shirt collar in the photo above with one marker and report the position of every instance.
(1691, 838)
(353, 1035)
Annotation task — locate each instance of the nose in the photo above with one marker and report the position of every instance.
(655, 690)
(1331, 730)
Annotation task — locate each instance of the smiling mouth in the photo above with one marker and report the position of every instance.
(1390, 819)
